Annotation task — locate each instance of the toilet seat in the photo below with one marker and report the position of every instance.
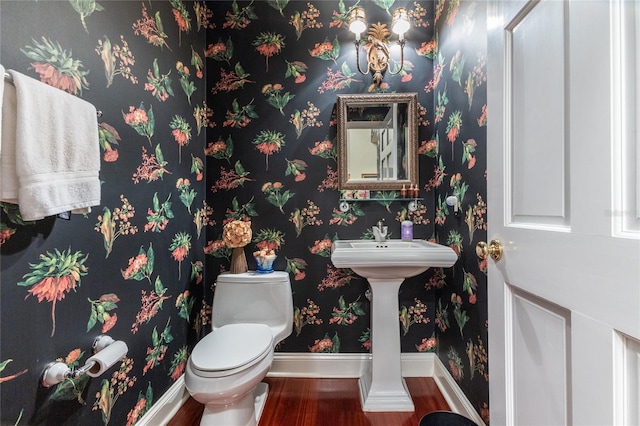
(230, 349)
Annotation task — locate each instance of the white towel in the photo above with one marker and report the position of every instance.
(8, 176)
(56, 150)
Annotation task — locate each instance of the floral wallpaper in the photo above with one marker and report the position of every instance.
(133, 267)
(460, 95)
(218, 111)
(274, 69)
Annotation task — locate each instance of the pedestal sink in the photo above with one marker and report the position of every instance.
(386, 265)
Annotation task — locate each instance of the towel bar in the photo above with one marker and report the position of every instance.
(7, 77)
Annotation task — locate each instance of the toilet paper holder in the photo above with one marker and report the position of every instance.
(106, 352)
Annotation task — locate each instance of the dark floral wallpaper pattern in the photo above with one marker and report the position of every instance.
(461, 121)
(274, 70)
(133, 267)
(223, 110)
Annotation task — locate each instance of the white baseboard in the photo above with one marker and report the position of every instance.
(166, 406)
(452, 393)
(343, 365)
(327, 366)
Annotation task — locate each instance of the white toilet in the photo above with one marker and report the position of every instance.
(251, 313)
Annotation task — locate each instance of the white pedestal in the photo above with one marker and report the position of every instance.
(382, 387)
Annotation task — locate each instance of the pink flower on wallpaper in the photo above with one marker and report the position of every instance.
(324, 345)
(53, 77)
(427, 344)
(110, 156)
(56, 67)
(109, 322)
(134, 415)
(215, 147)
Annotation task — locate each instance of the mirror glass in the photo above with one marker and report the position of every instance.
(377, 141)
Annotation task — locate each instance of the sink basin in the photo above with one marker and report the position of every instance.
(391, 259)
(386, 265)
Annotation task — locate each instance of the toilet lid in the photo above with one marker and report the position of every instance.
(231, 346)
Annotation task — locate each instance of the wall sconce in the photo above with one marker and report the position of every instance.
(378, 37)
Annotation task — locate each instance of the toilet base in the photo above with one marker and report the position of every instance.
(260, 395)
(245, 412)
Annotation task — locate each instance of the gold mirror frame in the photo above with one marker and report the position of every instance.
(363, 100)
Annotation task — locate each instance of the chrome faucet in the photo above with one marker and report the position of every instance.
(380, 233)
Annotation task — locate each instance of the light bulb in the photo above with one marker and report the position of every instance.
(357, 20)
(400, 23)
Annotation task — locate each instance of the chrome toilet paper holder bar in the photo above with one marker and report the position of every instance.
(56, 371)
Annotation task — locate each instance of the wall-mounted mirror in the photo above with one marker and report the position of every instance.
(377, 141)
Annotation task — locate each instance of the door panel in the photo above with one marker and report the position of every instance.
(564, 301)
(540, 343)
(631, 381)
(537, 114)
(626, 212)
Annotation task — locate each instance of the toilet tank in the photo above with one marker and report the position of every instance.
(254, 298)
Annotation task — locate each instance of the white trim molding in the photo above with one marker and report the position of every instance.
(457, 400)
(343, 365)
(328, 366)
(166, 406)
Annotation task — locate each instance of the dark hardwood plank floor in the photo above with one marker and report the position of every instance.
(327, 402)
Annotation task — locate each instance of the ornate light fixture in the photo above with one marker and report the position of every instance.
(378, 38)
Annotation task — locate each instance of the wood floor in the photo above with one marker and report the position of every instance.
(327, 402)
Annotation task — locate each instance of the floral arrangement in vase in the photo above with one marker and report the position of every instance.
(237, 234)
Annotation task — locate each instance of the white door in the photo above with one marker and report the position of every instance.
(564, 201)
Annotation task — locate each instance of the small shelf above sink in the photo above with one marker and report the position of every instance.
(412, 203)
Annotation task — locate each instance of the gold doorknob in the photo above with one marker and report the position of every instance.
(493, 249)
